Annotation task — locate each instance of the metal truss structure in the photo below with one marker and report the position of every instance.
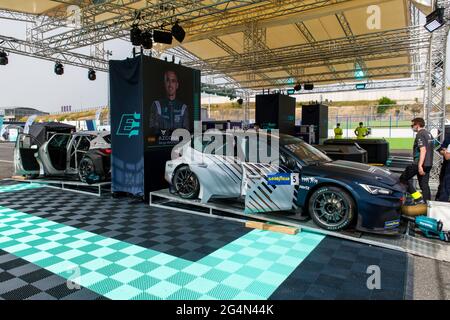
(36, 50)
(435, 86)
(374, 46)
(51, 36)
(17, 16)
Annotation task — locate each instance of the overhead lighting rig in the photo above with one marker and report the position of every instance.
(3, 58)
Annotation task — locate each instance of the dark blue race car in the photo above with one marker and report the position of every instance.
(340, 193)
(336, 194)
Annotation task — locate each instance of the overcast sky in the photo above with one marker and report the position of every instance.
(30, 82)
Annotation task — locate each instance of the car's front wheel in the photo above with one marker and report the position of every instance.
(186, 183)
(331, 208)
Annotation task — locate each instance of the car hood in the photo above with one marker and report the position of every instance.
(358, 172)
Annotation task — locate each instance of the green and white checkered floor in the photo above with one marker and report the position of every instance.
(20, 187)
(251, 267)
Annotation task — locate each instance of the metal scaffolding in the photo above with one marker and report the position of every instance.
(435, 85)
(50, 38)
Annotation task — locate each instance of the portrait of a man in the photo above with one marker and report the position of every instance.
(169, 113)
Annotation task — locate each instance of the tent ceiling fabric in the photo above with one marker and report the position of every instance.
(29, 6)
(344, 18)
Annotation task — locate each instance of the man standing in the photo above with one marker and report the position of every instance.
(361, 132)
(423, 162)
(443, 193)
(168, 113)
(338, 131)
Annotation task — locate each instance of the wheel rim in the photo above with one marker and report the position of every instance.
(330, 208)
(86, 168)
(185, 182)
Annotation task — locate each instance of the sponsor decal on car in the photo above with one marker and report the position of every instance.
(392, 224)
(282, 178)
(310, 180)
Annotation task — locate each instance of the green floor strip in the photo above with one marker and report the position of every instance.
(251, 267)
(20, 187)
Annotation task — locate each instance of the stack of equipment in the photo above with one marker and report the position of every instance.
(345, 152)
(377, 149)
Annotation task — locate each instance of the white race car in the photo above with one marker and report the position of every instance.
(198, 173)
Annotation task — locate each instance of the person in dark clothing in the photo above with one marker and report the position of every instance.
(423, 162)
(443, 193)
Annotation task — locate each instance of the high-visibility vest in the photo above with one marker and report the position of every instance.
(338, 132)
(361, 132)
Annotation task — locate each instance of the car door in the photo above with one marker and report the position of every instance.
(26, 155)
(72, 164)
(53, 154)
(219, 175)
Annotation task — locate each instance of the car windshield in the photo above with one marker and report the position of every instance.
(305, 152)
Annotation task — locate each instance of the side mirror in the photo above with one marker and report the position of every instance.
(291, 164)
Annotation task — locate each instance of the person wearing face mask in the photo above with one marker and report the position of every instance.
(423, 162)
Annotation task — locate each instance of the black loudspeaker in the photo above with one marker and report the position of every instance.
(308, 86)
(162, 37)
(377, 149)
(317, 115)
(276, 111)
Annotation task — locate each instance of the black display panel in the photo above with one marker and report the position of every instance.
(149, 99)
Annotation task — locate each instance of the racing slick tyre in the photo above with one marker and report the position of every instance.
(186, 183)
(85, 169)
(331, 208)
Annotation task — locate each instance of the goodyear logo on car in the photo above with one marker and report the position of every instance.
(129, 125)
(391, 224)
(283, 178)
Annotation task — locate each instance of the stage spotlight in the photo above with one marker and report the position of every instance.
(435, 20)
(146, 40)
(92, 75)
(135, 36)
(178, 32)
(298, 87)
(59, 68)
(160, 36)
(3, 58)
(308, 86)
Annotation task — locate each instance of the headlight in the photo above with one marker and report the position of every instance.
(375, 190)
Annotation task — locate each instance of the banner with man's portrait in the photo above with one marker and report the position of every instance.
(171, 100)
(149, 99)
